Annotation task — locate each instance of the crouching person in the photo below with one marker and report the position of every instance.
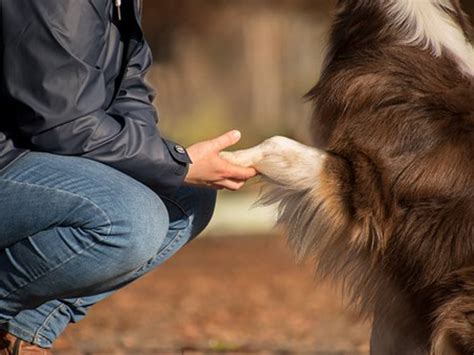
(92, 196)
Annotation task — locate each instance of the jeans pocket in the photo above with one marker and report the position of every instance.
(179, 218)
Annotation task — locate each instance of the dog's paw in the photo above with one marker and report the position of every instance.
(254, 157)
(245, 158)
(281, 159)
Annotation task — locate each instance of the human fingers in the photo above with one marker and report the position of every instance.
(230, 184)
(226, 140)
(237, 172)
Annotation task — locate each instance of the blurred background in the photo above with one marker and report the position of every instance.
(245, 64)
(220, 65)
(242, 64)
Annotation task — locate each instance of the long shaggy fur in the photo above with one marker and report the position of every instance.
(391, 211)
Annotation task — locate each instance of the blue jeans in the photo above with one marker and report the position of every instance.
(73, 231)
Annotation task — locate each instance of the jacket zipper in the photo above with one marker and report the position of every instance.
(118, 4)
(128, 50)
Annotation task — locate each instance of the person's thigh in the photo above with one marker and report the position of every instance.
(70, 226)
(42, 190)
(187, 213)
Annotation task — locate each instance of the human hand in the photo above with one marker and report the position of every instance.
(210, 170)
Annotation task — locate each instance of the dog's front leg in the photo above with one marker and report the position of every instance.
(282, 160)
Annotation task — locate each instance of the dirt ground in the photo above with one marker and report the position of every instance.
(242, 295)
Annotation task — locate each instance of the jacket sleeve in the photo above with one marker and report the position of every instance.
(65, 94)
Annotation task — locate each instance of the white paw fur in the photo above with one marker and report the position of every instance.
(282, 160)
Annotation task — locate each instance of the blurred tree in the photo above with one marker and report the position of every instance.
(243, 64)
(163, 18)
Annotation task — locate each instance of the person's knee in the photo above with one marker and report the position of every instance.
(140, 223)
(139, 227)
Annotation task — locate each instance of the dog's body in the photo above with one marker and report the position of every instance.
(384, 201)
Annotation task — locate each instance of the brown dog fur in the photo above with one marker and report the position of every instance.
(384, 201)
(393, 211)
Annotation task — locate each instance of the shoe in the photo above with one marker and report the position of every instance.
(11, 345)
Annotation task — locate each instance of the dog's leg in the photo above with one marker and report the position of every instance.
(283, 160)
(390, 338)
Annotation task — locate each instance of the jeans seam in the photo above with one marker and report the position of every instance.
(37, 335)
(56, 267)
(168, 247)
(20, 332)
(100, 239)
(4, 168)
(16, 329)
(160, 255)
(176, 203)
(178, 236)
(67, 193)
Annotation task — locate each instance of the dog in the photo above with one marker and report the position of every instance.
(383, 198)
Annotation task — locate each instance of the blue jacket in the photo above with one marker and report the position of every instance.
(72, 83)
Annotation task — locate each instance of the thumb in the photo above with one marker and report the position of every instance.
(226, 140)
